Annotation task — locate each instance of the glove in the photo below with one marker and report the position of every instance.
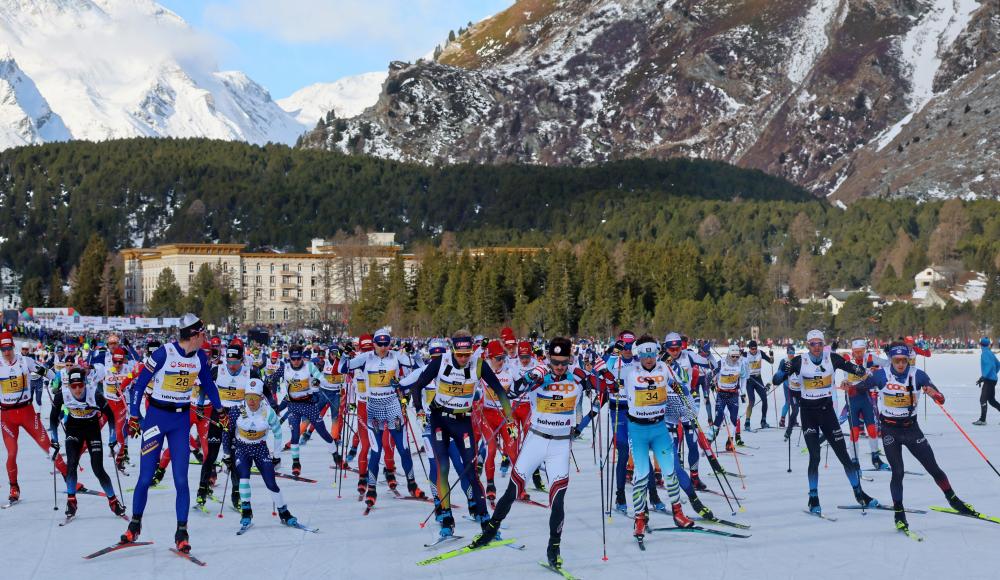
(276, 460)
(230, 463)
(404, 400)
(54, 444)
(576, 432)
(199, 413)
(134, 429)
(770, 353)
(112, 445)
(936, 395)
(512, 432)
(352, 407)
(979, 383)
(224, 421)
(618, 347)
(785, 366)
(408, 348)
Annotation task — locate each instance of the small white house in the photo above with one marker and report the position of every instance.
(928, 277)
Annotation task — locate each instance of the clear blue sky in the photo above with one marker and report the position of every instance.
(288, 44)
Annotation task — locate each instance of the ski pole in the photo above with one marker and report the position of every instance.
(225, 487)
(119, 480)
(573, 457)
(789, 441)
(854, 443)
(739, 469)
(600, 475)
(55, 501)
(969, 439)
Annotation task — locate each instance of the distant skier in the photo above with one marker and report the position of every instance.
(988, 365)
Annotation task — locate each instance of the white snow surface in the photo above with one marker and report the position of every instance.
(921, 50)
(814, 37)
(786, 543)
(105, 69)
(347, 97)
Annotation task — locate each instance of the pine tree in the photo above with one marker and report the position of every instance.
(167, 298)
(31, 293)
(111, 294)
(86, 297)
(57, 296)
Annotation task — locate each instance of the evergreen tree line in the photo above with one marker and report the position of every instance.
(597, 289)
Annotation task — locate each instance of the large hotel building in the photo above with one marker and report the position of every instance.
(273, 287)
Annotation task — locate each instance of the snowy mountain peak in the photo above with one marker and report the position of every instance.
(346, 97)
(104, 69)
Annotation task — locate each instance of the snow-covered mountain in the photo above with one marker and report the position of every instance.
(846, 97)
(347, 97)
(103, 69)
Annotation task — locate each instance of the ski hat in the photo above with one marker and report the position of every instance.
(365, 343)
(560, 346)
(898, 349)
(75, 376)
(673, 340)
(790, 349)
(859, 343)
(984, 341)
(6, 340)
(507, 335)
(295, 352)
(493, 349)
(254, 387)
(627, 337)
(437, 347)
(190, 325)
(815, 335)
(382, 337)
(462, 343)
(275, 355)
(234, 352)
(524, 348)
(118, 355)
(733, 350)
(648, 350)
(752, 344)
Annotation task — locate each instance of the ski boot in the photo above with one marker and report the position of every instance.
(536, 480)
(864, 499)
(979, 422)
(781, 422)
(746, 425)
(116, 507)
(641, 519)
(202, 497)
(246, 514)
(362, 484)
(739, 441)
(696, 481)
(338, 460)
(899, 516)
(158, 476)
(15, 493)
(352, 453)
(958, 505)
(70, 506)
(877, 462)
(620, 501)
(552, 554)
(181, 539)
(196, 453)
(489, 533)
(765, 425)
(814, 506)
(491, 490)
(296, 467)
(390, 478)
(415, 491)
(132, 532)
(681, 520)
(371, 496)
(286, 516)
(701, 508)
(447, 522)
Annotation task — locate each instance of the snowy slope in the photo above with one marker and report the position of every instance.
(25, 116)
(124, 68)
(346, 97)
(785, 543)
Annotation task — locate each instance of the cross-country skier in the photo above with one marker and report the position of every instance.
(84, 404)
(733, 376)
(899, 387)
(816, 368)
(253, 420)
(755, 386)
(171, 370)
(859, 404)
(988, 367)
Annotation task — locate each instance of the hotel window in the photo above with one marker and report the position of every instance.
(286, 314)
(190, 266)
(272, 314)
(272, 293)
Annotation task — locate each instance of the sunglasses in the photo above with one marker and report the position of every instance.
(498, 358)
(558, 363)
(816, 343)
(6, 348)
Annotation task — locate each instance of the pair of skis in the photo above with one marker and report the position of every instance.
(296, 525)
(123, 545)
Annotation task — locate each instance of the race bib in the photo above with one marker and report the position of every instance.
(729, 379)
(231, 394)
(298, 386)
(12, 385)
(381, 378)
(561, 406)
(251, 435)
(814, 383)
(459, 390)
(650, 397)
(177, 382)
